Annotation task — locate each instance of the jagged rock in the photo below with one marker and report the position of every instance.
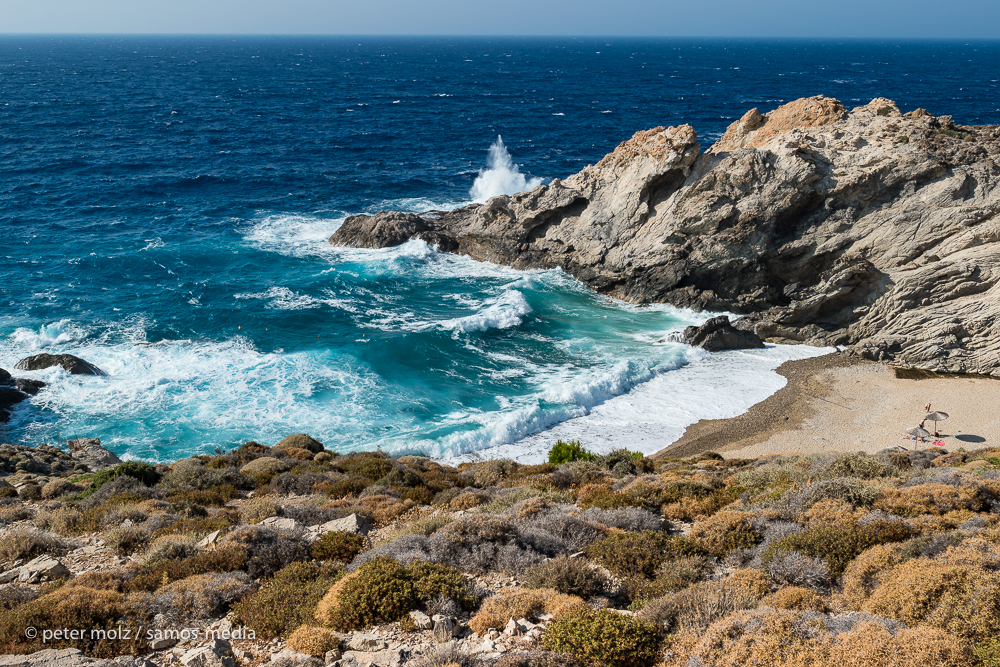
(9, 397)
(445, 628)
(64, 657)
(421, 620)
(209, 540)
(865, 227)
(287, 656)
(73, 365)
(133, 661)
(89, 452)
(30, 387)
(300, 441)
(718, 334)
(217, 653)
(349, 524)
(332, 656)
(43, 568)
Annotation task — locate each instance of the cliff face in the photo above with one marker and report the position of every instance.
(867, 227)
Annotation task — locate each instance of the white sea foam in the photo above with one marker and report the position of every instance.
(655, 413)
(501, 176)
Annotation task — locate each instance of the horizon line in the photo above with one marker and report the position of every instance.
(495, 36)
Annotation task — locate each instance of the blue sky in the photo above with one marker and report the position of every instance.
(968, 19)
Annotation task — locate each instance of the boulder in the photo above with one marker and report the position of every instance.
(73, 365)
(9, 397)
(384, 231)
(300, 441)
(288, 656)
(386, 658)
(445, 628)
(30, 387)
(89, 452)
(421, 620)
(284, 525)
(366, 642)
(217, 653)
(4, 375)
(718, 334)
(349, 524)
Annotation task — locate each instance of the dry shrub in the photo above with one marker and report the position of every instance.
(59, 487)
(201, 596)
(256, 510)
(26, 543)
(466, 501)
(572, 576)
(125, 540)
(837, 545)
(830, 512)
(108, 580)
(784, 638)
(640, 554)
(931, 499)
(425, 525)
(14, 595)
(601, 496)
(500, 608)
(794, 597)
(73, 607)
(65, 521)
(312, 640)
(298, 454)
(338, 545)
(383, 510)
(723, 532)
(959, 597)
(171, 547)
(702, 604)
(929, 524)
(674, 574)
(226, 558)
(604, 637)
(13, 513)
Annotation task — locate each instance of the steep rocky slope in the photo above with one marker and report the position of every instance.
(869, 227)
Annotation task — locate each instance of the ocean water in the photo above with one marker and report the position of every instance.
(165, 205)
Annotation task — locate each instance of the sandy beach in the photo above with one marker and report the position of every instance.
(840, 403)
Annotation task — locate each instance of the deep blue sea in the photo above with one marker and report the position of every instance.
(165, 204)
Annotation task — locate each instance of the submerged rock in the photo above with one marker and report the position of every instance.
(864, 227)
(73, 365)
(718, 334)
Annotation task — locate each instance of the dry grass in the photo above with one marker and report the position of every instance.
(312, 640)
(934, 499)
(830, 512)
(724, 531)
(794, 597)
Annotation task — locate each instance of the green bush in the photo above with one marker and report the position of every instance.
(287, 600)
(604, 637)
(383, 591)
(640, 554)
(143, 472)
(564, 452)
(337, 545)
(600, 496)
(838, 545)
(571, 576)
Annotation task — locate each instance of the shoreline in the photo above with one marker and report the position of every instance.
(843, 403)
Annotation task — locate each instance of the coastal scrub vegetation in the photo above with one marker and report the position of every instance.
(780, 561)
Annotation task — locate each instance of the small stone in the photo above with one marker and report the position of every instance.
(162, 643)
(511, 628)
(366, 642)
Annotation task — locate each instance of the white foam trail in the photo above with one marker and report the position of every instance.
(501, 177)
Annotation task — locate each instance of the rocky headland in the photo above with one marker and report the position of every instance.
(868, 228)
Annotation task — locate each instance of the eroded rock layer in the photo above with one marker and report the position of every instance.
(869, 227)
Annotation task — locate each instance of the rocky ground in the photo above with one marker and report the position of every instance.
(295, 555)
(866, 227)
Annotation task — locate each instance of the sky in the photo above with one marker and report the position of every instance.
(961, 19)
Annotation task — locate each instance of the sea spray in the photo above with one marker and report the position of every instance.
(501, 177)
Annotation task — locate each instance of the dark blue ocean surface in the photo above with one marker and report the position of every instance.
(164, 205)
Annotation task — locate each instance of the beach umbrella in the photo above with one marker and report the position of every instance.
(936, 417)
(919, 432)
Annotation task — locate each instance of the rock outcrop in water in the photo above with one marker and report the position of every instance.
(73, 365)
(869, 228)
(718, 334)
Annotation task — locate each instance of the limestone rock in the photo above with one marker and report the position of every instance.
(64, 657)
(89, 452)
(866, 227)
(217, 653)
(285, 525)
(300, 441)
(74, 365)
(332, 656)
(718, 334)
(288, 656)
(386, 658)
(421, 620)
(366, 642)
(43, 568)
(349, 524)
(445, 628)
(133, 661)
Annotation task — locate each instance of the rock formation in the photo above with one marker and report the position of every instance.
(869, 228)
(13, 391)
(718, 334)
(73, 365)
